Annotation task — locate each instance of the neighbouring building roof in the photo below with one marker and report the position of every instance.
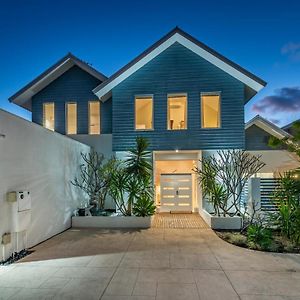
(24, 96)
(254, 83)
(289, 127)
(268, 127)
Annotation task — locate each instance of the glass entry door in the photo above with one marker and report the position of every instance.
(176, 193)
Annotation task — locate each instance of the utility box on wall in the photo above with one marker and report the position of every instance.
(20, 210)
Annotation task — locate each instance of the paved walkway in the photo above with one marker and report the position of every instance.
(167, 220)
(149, 264)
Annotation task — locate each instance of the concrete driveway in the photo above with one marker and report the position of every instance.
(149, 264)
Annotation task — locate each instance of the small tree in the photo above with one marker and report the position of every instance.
(223, 177)
(95, 176)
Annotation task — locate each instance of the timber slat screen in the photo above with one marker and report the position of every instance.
(267, 188)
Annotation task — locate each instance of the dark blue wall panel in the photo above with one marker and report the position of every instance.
(178, 70)
(75, 85)
(257, 139)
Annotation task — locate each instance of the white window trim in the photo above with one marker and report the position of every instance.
(141, 96)
(186, 112)
(218, 93)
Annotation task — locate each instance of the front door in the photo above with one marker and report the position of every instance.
(176, 193)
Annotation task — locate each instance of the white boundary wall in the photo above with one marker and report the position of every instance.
(42, 162)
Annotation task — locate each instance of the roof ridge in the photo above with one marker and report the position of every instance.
(191, 39)
(69, 56)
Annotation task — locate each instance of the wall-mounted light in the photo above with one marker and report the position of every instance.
(176, 150)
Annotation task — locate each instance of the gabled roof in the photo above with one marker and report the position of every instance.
(268, 127)
(24, 96)
(178, 35)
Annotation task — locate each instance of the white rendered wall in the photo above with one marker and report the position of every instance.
(43, 162)
(102, 143)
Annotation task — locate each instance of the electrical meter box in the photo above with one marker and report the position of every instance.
(20, 210)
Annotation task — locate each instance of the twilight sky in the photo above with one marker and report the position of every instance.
(261, 36)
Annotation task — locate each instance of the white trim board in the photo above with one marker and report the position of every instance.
(189, 45)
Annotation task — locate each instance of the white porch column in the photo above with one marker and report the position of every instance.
(254, 196)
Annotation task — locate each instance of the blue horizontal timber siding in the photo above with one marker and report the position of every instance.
(257, 139)
(75, 85)
(179, 70)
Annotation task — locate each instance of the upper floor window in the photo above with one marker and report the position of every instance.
(94, 117)
(71, 116)
(48, 116)
(143, 112)
(210, 107)
(177, 112)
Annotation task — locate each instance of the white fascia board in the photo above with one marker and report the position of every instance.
(219, 63)
(136, 66)
(194, 48)
(27, 94)
(270, 128)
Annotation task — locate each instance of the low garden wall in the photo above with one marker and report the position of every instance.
(112, 222)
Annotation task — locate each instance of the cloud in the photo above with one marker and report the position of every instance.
(286, 99)
(292, 51)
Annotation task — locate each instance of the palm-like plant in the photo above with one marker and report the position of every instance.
(138, 162)
(288, 215)
(132, 179)
(144, 206)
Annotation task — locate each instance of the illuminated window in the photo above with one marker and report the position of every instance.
(210, 107)
(177, 112)
(71, 115)
(94, 117)
(144, 113)
(48, 116)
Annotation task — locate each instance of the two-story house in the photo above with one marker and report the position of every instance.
(184, 97)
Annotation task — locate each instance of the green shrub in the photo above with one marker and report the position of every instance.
(239, 240)
(144, 206)
(259, 236)
(287, 218)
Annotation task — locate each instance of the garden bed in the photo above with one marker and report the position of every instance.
(279, 243)
(112, 221)
(215, 222)
(15, 257)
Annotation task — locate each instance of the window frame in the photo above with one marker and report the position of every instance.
(216, 93)
(143, 96)
(44, 115)
(66, 117)
(168, 111)
(89, 117)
